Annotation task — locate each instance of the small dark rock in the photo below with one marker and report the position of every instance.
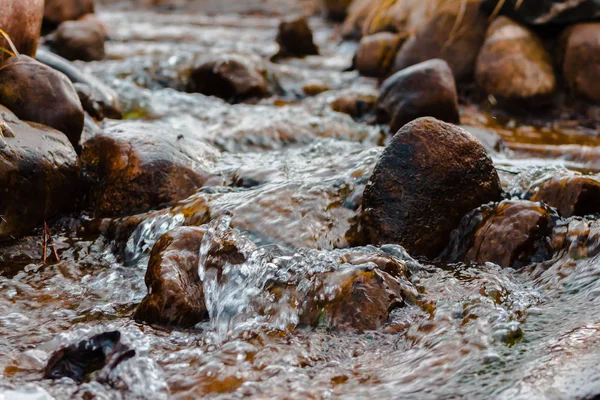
(376, 53)
(295, 39)
(79, 40)
(57, 11)
(232, 77)
(38, 93)
(429, 176)
(79, 360)
(423, 90)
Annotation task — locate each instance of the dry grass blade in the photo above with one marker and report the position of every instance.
(497, 9)
(5, 50)
(458, 22)
(10, 43)
(518, 4)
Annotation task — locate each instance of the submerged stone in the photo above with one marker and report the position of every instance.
(430, 175)
(571, 194)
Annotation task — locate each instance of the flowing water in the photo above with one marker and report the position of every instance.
(286, 183)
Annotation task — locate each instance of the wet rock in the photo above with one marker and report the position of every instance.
(454, 34)
(546, 12)
(570, 194)
(39, 175)
(426, 89)
(513, 63)
(295, 39)
(79, 40)
(57, 11)
(175, 293)
(429, 176)
(232, 77)
(581, 59)
(376, 53)
(136, 166)
(22, 20)
(76, 361)
(336, 9)
(98, 100)
(37, 93)
(357, 106)
(509, 234)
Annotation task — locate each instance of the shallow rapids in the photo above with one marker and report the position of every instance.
(286, 177)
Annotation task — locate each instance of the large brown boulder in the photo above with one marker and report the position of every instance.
(57, 11)
(453, 33)
(426, 89)
(233, 77)
(295, 38)
(38, 93)
(509, 234)
(135, 167)
(376, 53)
(39, 175)
(22, 20)
(430, 175)
(513, 63)
(581, 59)
(79, 40)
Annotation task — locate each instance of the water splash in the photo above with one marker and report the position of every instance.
(145, 236)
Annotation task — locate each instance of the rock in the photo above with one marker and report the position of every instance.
(547, 11)
(509, 234)
(39, 175)
(357, 15)
(571, 194)
(581, 59)
(355, 105)
(57, 11)
(426, 89)
(376, 53)
(295, 38)
(175, 292)
(428, 177)
(232, 77)
(76, 361)
(79, 40)
(37, 93)
(136, 166)
(97, 98)
(336, 9)
(454, 34)
(513, 63)
(22, 20)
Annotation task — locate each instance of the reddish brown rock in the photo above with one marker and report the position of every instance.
(426, 89)
(136, 167)
(429, 176)
(79, 40)
(454, 33)
(39, 175)
(175, 293)
(295, 38)
(513, 63)
(57, 11)
(581, 59)
(570, 195)
(509, 234)
(38, 93)
(232, 77)
(22, 20)
(376, 53)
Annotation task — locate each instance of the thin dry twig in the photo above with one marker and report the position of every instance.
(497, 9)
(10, 43)
(48, 239)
